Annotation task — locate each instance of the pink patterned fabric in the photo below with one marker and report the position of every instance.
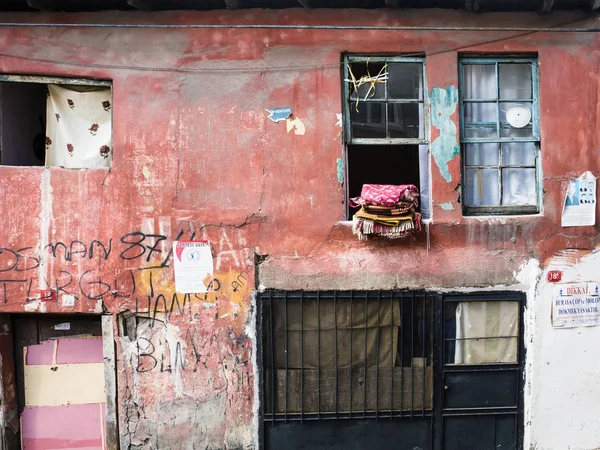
(385, 195)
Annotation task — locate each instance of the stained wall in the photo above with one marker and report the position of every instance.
(196, 157)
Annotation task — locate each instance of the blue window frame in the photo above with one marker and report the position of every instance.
(500, 135)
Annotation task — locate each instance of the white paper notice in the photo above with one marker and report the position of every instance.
(193, 266)
(580, 203)
(576, 305)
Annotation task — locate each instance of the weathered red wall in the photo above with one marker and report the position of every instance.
(195, 155)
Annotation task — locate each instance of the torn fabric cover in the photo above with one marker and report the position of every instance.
(78, 128)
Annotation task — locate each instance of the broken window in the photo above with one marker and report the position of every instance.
(385, 132)
(500, 136)
(55, 122)
(345, 354)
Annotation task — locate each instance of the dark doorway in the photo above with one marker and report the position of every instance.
(60, 373)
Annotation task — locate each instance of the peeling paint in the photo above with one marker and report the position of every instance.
(340, 170)
(294, 123)
(448, 206)
(445, 147)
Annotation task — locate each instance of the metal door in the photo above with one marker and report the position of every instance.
(480, 378)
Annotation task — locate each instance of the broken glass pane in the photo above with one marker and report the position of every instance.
(364, 74)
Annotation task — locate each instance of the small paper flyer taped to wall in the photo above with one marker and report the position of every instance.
(193, 266)
(579, 209)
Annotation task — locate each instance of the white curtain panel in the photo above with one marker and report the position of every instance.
(486, 332)
(78, 128)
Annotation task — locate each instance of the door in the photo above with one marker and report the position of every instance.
(61, 383)
(481, 375)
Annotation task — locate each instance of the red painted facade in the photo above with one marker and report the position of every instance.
(195, 155)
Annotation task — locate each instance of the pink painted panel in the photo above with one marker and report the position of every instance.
(79, 351)
(40, 354)
(56, 427)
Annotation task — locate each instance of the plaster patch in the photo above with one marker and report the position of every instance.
(340, 170)
(445, 147)
(146, 172)
(338, 122)
(294, 123)
(45, 213)
(447, 206)
(250, 330)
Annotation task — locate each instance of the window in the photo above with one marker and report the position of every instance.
(346, 354)
(385, 124)
(56, 122)
(500, 136)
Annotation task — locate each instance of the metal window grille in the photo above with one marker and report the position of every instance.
(501, 173)
(346, 354)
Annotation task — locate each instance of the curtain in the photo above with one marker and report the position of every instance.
(78, 127)
(350, 334)
(486, 332)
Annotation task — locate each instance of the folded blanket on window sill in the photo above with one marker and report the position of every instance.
(365, 228)
(391, 221)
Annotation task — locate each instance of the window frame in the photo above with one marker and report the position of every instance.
(348, 139)
(59, 80)
(535, 137)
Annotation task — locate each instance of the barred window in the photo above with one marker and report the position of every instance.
(346, 354)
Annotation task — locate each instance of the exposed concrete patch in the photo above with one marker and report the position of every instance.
(445, 147)
(448, 206)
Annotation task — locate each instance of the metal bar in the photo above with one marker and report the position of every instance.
(392, 362)
(423, 336)
(398, 100)
(272, 356)
(286, 356)
(479, 368)
(386, 141)
(351, 347)
(301, 355)
(493, 100)
(497, 76)
(365, 362)
(319, 353)
(335, 397)
(504, 139)
(392, 59)
(481, 338)
(377, 361)
(513, 166)
(302, 27)
(412, 353)
(401, 332)
(295, 417)
(496, 430)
